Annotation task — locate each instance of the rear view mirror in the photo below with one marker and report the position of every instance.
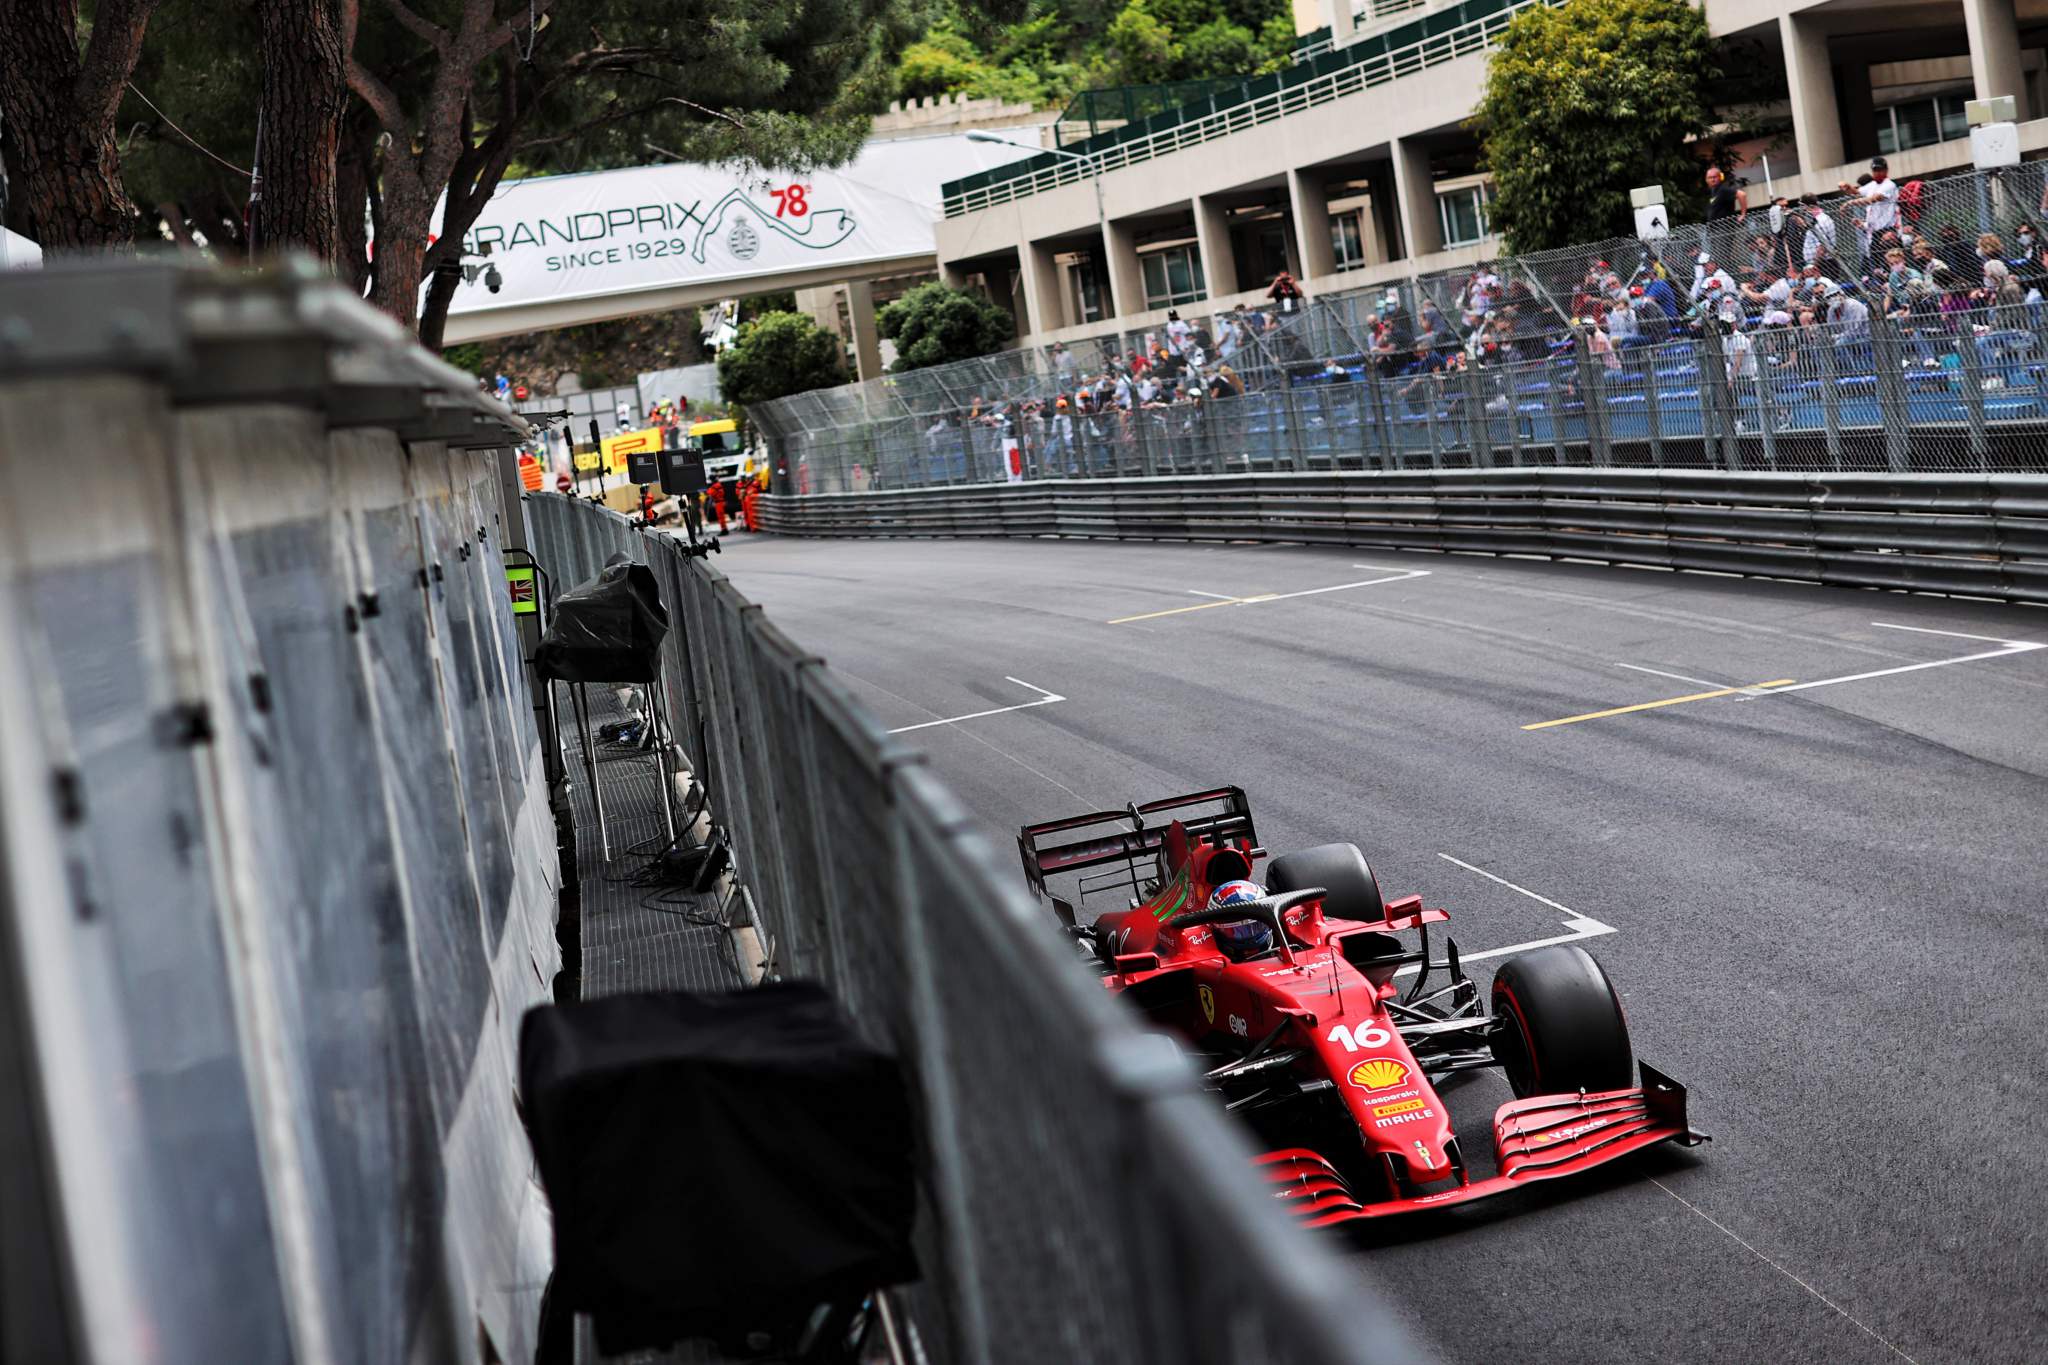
(1065, 911)
(1129, 964)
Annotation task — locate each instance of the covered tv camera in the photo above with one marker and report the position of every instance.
(682, 471)
(716, 1161)
(609, 629)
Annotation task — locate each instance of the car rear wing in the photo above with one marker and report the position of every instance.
(1222, 815)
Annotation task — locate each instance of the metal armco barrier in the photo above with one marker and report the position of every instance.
(1082, 1200)
(277, 873)
(1967, 535)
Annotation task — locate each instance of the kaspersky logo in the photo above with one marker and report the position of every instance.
(1381, 1073)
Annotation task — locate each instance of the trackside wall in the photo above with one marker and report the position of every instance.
(1967, 535)
(277, 872)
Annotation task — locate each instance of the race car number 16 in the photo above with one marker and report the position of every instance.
(1367, 1038)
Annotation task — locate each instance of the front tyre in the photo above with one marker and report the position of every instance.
(1559, 1025)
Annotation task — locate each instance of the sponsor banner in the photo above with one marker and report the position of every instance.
(621, 444)
(653, 227)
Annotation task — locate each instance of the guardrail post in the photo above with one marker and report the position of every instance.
(1653, 405)
(1479, 438)
(1831, 400)
(1376, 397)
(1891, 390)
(1973, 389)
(1593, 389)
(1134, 425)
(1766, 412)
(1554, 401)
(1717, 403)
(1429, 422)
(1297, 429)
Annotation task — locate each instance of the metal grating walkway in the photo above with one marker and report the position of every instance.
(635, 938)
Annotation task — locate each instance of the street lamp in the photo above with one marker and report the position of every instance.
(1095, 178)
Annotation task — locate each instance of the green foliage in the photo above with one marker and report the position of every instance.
(777, 355)
(1063, 46)
(1587, 101)
(467, 355)
(935, 323)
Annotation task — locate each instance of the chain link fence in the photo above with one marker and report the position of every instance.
(1081, 1200)
(1904, 331)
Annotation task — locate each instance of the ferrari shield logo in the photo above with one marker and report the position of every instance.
(1208, 998)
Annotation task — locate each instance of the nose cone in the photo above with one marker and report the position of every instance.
(1426, 1164)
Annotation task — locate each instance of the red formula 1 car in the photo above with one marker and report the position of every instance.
(1288, 999)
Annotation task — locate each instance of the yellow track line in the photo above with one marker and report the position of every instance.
(1199, 606)
(1653, 705)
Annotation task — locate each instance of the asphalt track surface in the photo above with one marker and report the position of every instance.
(1827, 906)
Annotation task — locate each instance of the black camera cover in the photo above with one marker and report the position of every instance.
(716, 1160)
(607, 630)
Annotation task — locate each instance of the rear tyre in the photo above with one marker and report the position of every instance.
(1560, 1027)
(1341, 870)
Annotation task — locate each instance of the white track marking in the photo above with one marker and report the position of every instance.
(1686, 677)
(1860, 1325)
(1952, 634)
(1555, 905)
(1394, 576)
(1581, 926)
(2010, 647)
(1217, 599)
(1045, 698)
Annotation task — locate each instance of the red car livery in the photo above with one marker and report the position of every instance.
(1309, 1038)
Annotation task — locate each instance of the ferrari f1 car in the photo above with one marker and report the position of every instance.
(1286, 995)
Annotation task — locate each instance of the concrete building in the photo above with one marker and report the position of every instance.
(1355, 167)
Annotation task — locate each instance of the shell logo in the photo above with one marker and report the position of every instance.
(1381, 1073)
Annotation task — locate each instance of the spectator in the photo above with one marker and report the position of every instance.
(1602, 346)
(1621, 321)
(2026, 242)
(1422, 370)
(1849, 316)
(1989, 249)
(1879, 198)
(1660, 292)
(1653, 324)
(1764, 257)
(1062, 364)
(1727, 207)
(1285, 293)
(1818, 247)
(1708, 277)
(1177, 332)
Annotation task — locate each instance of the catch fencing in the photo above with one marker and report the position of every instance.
(1982, 536)
(1615, 353)
(1082, 1200)
(277, 874)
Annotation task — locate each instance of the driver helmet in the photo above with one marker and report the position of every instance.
(1245, 938)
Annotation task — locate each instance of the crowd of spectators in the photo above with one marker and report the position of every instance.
(1780, 287)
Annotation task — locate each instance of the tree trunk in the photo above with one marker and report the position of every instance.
(305, 88)
(404, 223)
(67, 166)
(354, 167)
(434, 316)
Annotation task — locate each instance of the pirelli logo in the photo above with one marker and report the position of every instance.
(1382, 1111)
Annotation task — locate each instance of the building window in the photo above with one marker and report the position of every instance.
(1921, 123)
(1347, 240)
(1462, 215)
(1087, 289)
(1172, 277)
